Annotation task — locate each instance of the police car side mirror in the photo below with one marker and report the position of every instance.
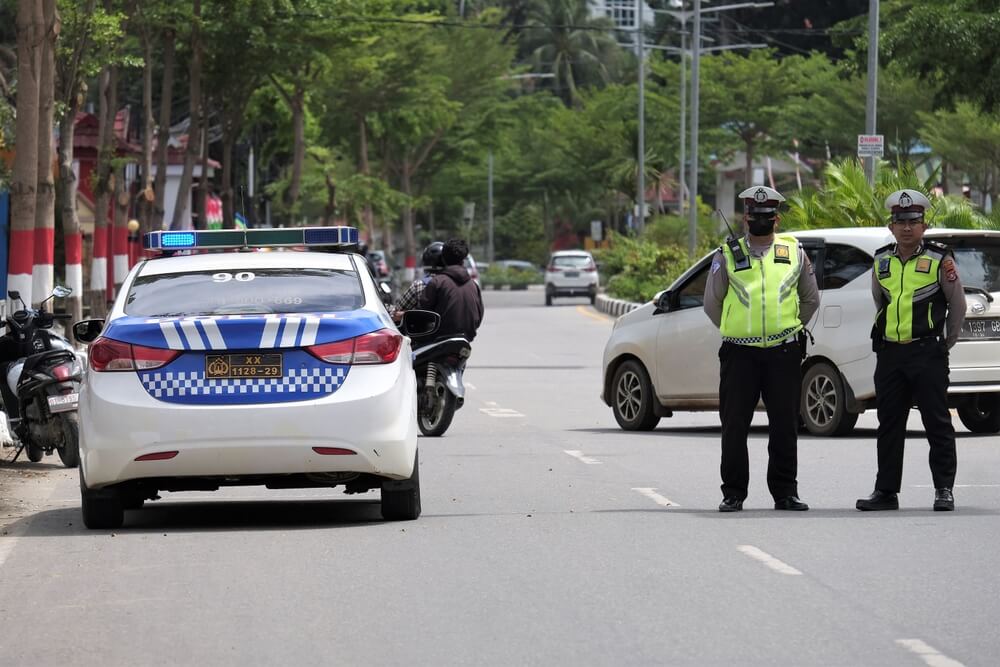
(87, 331)
(419, 323)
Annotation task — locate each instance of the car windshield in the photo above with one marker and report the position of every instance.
(244, 292)
(572, 261)
(977, 259)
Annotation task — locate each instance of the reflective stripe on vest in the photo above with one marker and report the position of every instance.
(914, 304)
(761, 308)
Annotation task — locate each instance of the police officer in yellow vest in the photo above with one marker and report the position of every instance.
(917, 293)
(760, 292)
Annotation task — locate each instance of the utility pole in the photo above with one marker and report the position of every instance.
(695, 94)
(871, 100)
(641, 161)
(489, 209)
(681, 181)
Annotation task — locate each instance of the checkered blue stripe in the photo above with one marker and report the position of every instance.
(298, 384)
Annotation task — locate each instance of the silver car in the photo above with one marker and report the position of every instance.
(663, 356)
(571, 273)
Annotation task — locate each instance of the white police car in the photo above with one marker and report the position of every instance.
(663, 356)
(232, 368)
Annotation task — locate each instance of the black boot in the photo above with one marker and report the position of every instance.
(878, 500)
(731, 504)
(944, 501)
(790, 503)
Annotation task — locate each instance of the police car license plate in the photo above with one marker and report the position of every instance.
(572, 274)
(247, 365)
(63, 402)
(987, 327)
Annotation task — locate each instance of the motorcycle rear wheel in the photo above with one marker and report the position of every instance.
(435, 418)
(69, 453)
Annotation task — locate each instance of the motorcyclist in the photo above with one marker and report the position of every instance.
(432, 264)
(452, 293)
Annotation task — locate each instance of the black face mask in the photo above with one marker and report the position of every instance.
(760, 226)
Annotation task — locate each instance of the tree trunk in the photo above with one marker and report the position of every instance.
(748, 173)
(228, 213)
(299, 146)
(146, 195)
(183, 204)
(163, 129)
(408, 235)
(363, 166)
(201, 195)
(72, 240)
(25, 176)
(43, 271)
(97, 294)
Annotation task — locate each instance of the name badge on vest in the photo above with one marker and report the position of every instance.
(924, 265)
(781, 254)
(883, 267)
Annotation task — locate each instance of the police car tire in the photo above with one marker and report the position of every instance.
(981, 413)
(633, 379)
(102, 510)
(401, 499)
(33, 453)
(69, 453)
(822, 380)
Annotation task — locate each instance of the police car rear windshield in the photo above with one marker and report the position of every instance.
(244, 292)
(977, 259)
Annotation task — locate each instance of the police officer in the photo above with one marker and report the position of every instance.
(760, 292)
(921, 308)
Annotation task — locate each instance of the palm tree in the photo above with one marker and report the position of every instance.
(565, 40)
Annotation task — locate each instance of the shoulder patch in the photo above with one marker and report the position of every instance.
(948, 267)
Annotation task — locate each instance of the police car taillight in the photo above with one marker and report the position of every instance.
(379, 347)
(112, 355)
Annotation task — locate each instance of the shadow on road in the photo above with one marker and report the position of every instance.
(813, 513)
(715, 432)
(211, 516)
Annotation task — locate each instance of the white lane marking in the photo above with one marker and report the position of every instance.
(500, 412)
(469, 385)
(577, 454)
(655, 497)
(928, 654)
(492, 404)
(767, 559)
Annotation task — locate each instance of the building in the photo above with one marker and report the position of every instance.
(623, 13)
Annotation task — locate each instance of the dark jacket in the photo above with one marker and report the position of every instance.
(454, 296)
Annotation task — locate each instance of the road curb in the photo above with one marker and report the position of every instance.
(615, 307)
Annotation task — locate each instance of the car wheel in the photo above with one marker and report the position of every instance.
(632, 398)
(401, 498)
(823, 406)
(981, 413)
(101, 509)
(69, 453)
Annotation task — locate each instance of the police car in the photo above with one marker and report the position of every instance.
(277, 368)
(663, 356)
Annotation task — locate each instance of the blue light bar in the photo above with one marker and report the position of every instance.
(345, 238)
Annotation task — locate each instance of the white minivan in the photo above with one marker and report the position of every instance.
(571, 273)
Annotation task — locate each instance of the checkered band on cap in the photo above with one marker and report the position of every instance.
(193, 387)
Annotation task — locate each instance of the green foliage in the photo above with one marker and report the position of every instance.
(846, 200)
(520, 234)
(966, 138)
(499, 275)
(639, 268)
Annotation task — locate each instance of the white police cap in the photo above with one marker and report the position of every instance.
(907, 199)
(761, 199)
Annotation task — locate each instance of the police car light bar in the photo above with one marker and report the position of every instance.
(221, 239)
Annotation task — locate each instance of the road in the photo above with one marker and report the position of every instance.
(549, 537)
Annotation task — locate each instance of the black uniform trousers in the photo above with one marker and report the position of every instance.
(749, 374)
(904, 374)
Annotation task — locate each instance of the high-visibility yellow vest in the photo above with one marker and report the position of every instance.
(761, 308)
(913, 304)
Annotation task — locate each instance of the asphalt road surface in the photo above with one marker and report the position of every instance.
(549, 537)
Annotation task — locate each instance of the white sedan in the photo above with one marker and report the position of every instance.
(663, 356)
(278, 368)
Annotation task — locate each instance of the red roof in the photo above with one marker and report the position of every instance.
(85, 138)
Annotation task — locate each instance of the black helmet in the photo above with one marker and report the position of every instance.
(432, 260)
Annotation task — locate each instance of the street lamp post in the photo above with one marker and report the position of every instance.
(871, 99)
(695, 94)
(641, 175)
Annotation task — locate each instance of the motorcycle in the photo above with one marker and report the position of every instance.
(42, 387)
(439, 366)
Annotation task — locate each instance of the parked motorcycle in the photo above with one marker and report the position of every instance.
(439, 366)
(42, 386)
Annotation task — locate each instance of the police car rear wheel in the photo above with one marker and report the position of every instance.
(632, 398)
(401, 499)
(981, 413)
(101, 509)
(823, 406)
